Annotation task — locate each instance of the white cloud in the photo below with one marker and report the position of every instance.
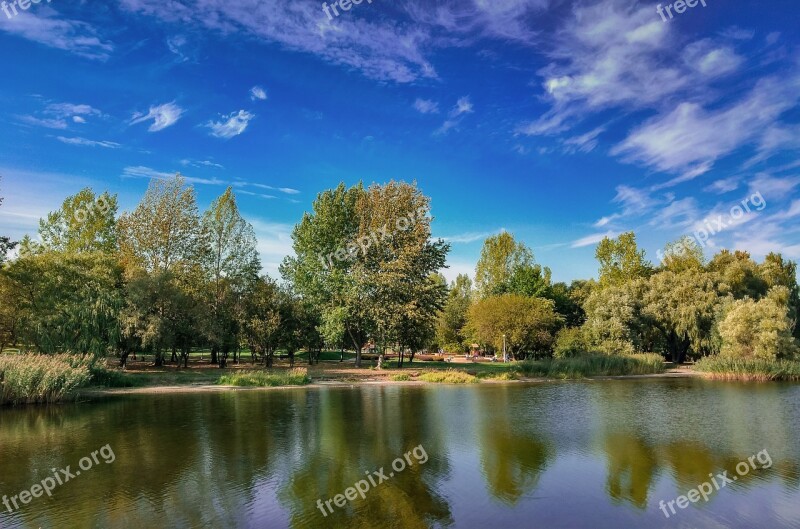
(426, 106)
(258, 93)
(469, 237)
(148, 173)
(52, 29)
(593, 239)
(463, 106)
(235, 124)
(88, 143)
(163, 116)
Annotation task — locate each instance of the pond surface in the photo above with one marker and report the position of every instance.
(600, 454)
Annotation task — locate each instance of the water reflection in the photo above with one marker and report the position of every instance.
(495, 452)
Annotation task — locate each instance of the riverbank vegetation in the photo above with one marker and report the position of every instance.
(363, 286)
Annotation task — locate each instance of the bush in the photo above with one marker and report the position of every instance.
(400, 377)
(749, 369)
(293, 377)
(448, 376)
(35, 379)
(594, 365)
(570, 343)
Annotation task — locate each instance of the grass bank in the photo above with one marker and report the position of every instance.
(593, 366)
(292, 377)
(41, 379)
(748, 369)
(448, 376)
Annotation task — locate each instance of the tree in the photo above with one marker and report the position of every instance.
(530, 280)
(400, 269)
(758, 329)
(776, 271)
(261, 324)
(85, 223)
(162, 233)
(332, 284)
(683, 307)
(529, 324)
(500, 256)
(450, 332)
(614, 322)
(231, 265)
(67, 302)
(621, 260)
(740, 273)
(683, 254)
(162, 248)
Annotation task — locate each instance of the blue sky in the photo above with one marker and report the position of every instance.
(559, 121)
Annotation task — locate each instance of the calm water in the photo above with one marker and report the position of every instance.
(572, 455)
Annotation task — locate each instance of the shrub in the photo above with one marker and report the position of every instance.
(292, 377)
(570, 343)
(448, 376)
(35, 379)
(400, 377)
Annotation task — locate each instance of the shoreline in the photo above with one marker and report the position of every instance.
(216, 388)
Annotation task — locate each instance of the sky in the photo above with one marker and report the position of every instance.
(559, 121)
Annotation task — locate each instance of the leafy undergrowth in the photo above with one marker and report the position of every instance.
(748, 369)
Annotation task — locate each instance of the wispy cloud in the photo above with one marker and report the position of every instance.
(163, 116)
(231, 125)
(258, 93)
(426, 106)
(50, 28)
(88, 143)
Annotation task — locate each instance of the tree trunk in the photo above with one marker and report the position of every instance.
(174, 355)
(159, 360)
(214, 359)
(341, 356)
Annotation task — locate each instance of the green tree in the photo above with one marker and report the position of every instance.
(621, 260)
(683, 254)
(614, 323)
(777, 271)
(6, 245)
(759, 329)
(231, 265)
(501, 255)
(399, 270)
(450, 332)
(529, 324)
(740, 273)
(85, 223)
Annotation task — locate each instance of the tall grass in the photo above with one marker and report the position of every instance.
(748, 369)
(448, 376)
(292, 377)
(594, 365)
(37, 379)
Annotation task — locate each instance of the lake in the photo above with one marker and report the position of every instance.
(595, 454)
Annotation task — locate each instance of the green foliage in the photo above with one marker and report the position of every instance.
(448, 376)
(748, 369)
(85, 223)
(570, 343)
(291, 377)
(6, 245)
(683, 255)
(501, 255)
(614, 322)
(36, 379)
(529, 324)
(450, 327)
(758, 329)
(400, 377)
(594, 365)
(621, 260)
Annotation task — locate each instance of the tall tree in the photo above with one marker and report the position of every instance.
(85, 223)
(163, 232)
(261, 324)
(501, 255)
(6, 245)
(323, 271)
(231, 265)
(399, 269)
